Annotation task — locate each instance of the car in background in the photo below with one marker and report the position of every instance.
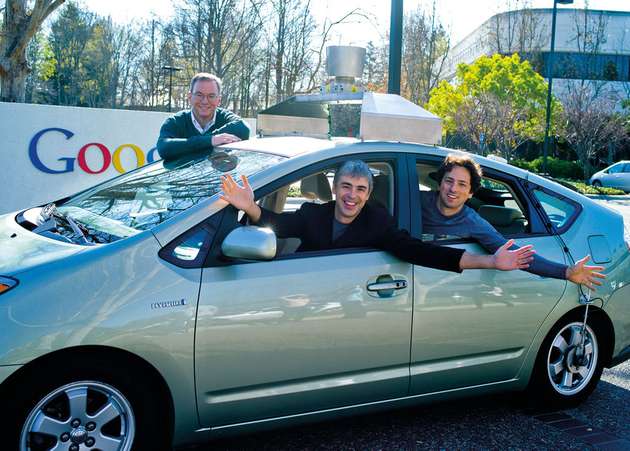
(143, 313)
(614, 176)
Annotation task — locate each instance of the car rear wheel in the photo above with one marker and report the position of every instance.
(568, 366)
(76, 409)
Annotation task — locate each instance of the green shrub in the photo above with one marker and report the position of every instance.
(589, 189)
(556, 168)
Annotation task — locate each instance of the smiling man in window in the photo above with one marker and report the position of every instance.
(202, 127)
(349, 221)
(445, 213)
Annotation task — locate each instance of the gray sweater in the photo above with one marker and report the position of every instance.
(468, 224)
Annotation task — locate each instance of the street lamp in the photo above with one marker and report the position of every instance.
(395, 47)
(550, 79)
(170, 70)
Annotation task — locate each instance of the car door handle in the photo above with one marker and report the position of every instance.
(389, 285)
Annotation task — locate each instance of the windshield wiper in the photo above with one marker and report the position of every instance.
(47, 220)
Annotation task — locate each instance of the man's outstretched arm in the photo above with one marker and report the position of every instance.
(503, 259)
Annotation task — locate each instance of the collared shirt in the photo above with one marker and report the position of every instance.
(198, 126)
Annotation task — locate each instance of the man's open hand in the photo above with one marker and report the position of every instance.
(583, 274)
(507, 260)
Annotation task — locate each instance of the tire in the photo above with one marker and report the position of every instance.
(597, 183)
(95, 407)
(560, 379)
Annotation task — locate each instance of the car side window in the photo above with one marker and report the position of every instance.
(558, 211)
(496, 201)
(190, 249)
(615, 169)
(317, 187)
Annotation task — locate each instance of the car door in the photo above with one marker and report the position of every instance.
(475, 328)
(302, 333)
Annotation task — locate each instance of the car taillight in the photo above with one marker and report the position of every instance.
(6, 283)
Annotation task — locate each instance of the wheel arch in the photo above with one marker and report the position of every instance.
(88, 353)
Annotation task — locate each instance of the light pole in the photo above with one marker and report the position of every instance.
(395, 47)
(550, 79)
(170, 70)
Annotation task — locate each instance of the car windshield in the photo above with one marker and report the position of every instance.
(150, 195)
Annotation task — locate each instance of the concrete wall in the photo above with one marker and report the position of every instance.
(48, 152)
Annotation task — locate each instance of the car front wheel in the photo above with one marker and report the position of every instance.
(75, 409)
(597, 183)
(568, 366)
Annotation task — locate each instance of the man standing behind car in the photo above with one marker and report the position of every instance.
(204, 126)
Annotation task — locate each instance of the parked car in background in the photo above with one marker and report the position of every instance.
(142, 313)
(614, 176)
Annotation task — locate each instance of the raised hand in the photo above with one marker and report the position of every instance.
(241, 197)
(507, 260)
(585, 275)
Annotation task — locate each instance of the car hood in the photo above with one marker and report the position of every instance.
(21, 249)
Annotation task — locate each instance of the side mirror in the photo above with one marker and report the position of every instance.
(250, 243)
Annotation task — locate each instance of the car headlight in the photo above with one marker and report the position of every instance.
(6, 283)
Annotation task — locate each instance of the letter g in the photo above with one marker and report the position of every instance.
(32, 152)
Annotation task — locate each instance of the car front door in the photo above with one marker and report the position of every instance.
(475, 328)
(301, 333)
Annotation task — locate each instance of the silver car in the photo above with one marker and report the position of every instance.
(143, 313)
(614, 176)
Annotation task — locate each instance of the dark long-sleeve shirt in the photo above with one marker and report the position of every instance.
(178, 135)
(373, 227)
(468, 224)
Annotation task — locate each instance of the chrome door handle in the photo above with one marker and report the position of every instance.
(389, 285)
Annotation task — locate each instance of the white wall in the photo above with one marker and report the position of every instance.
(39, 166)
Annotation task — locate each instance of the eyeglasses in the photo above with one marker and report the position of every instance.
(209, 97)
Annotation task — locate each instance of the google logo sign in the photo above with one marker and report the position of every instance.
(109, 158)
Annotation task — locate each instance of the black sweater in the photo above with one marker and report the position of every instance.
(374, 227)
(178, 135)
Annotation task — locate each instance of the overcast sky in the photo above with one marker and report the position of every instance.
(459, 16)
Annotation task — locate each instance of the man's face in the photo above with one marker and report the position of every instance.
(204, 99)
(454, 190)
(351, 194)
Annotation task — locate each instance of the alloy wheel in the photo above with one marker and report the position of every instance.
(570, 366)
(79, 416)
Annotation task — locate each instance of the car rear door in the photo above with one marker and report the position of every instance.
(475, 328)
(302, 333)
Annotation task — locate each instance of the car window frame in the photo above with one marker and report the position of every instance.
(516, 184)
(552, 230)
(401, 204)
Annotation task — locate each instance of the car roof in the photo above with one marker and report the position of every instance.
(287, 146)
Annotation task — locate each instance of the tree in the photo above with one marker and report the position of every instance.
(499, 101)
(20, 25)
(518, 30)
(70, 33)
(426, 46)
(375, 67)
(593, 129)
